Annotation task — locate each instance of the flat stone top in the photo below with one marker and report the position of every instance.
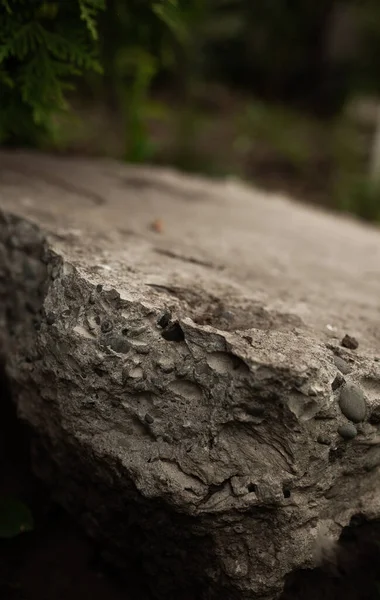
(307, 268)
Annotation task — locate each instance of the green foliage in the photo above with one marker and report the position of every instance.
(362, 199)
(15, 518)
(282, 130)
(136, 105)
(170, 14)
(43, 46)
(141, 40)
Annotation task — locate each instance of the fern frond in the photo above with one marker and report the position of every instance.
(89, 10)
(43, 46)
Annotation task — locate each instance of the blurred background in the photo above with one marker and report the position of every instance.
(282, 93)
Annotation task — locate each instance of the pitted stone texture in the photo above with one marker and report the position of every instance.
(189, 418)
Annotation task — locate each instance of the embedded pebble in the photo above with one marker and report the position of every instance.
(137, 331)
(352, 402)
(322, 439)
(350, 342)
(239, 528)
(347, 431)
(141, 348)
(372, 459)
(163, 319)
(255, 410)
(342, 365)
(50, 319)
(136, 373)
(113, 294)
(166, 365)
(106, 326)
(186, 389)
(338, 381)
(149, 419)
(99, 287)
(119, 345)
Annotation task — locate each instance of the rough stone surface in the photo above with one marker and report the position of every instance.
(182, 380)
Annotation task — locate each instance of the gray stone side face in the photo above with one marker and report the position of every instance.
(216, 456)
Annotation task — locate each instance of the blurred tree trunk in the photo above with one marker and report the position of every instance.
(110, 37)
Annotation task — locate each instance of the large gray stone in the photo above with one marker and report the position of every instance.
(181, 379)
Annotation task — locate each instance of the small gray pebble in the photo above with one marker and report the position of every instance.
(119, 345)
(342, 365)
(163, 319)
(137, 331)
(352, 402)
(149, 419)
(347, 431)
(322, 439)
(350, 342)
(113, 294)
(142, 349)
(106, 326)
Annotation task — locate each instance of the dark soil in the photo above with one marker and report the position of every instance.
(354, 576)
(55, 561)
(58, 562)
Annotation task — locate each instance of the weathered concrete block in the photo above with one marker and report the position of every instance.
(191, 400)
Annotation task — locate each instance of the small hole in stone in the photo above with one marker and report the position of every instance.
(124, 331)
(286, 492)
(173, 333)
(252, 488)
(99, 372)
(335, 454)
